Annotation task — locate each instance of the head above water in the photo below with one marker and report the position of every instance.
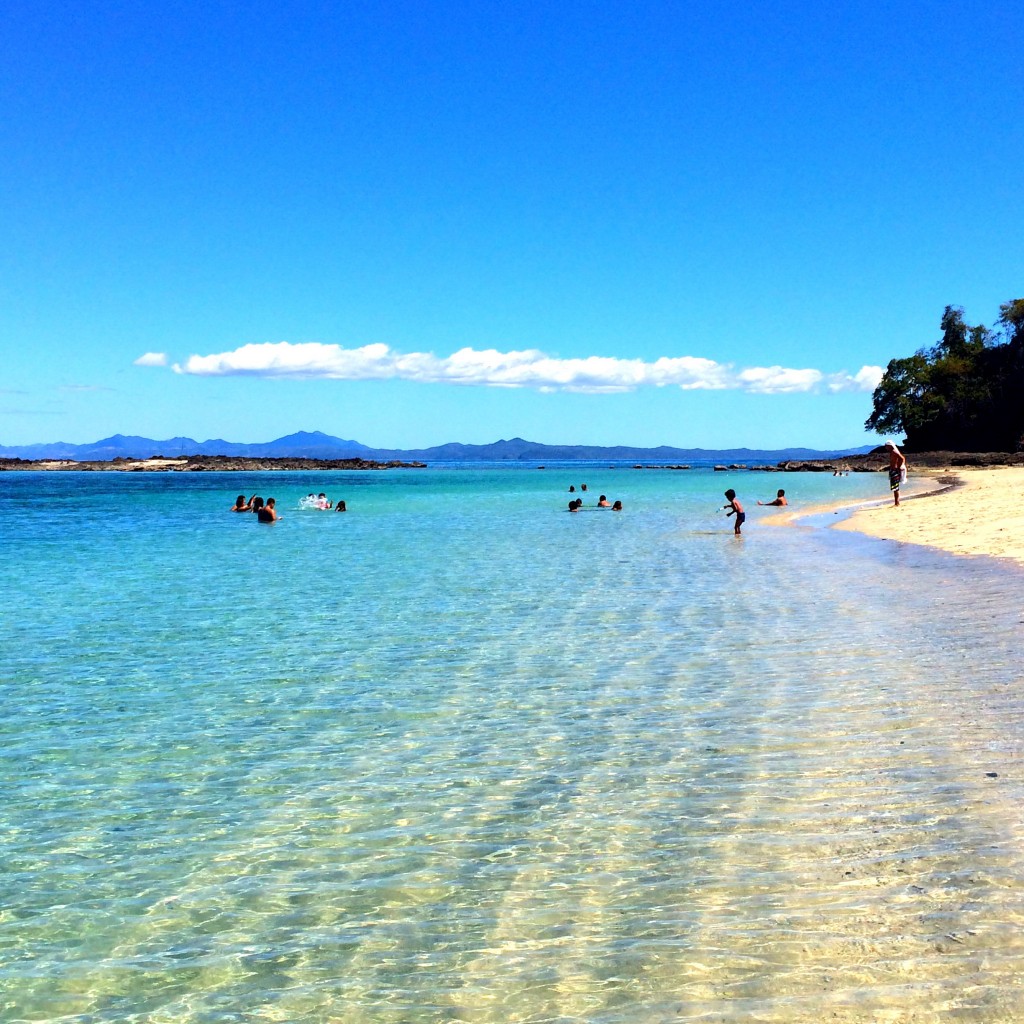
(781, 493)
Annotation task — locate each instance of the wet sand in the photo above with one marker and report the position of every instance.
(983, 515)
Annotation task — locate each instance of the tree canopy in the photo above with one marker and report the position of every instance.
(966, 393)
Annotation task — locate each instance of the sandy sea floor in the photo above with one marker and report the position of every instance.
(460, 756)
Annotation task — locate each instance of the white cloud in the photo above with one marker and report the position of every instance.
(867, 379)
(775, 380)
(528, 368)
(151, 359)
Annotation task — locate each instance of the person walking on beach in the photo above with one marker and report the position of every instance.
(735, 508)
(897, 470)
(780, 499)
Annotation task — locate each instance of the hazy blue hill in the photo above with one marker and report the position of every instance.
(317, 445)
(519, 450)
(310, 445)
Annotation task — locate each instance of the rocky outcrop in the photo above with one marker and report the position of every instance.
(878, 460)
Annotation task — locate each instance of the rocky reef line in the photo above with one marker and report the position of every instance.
(201, 464)
(872, 462)
(876, 461)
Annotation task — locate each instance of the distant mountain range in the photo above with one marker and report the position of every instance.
(316, 445)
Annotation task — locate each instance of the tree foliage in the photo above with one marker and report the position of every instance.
(964, 394)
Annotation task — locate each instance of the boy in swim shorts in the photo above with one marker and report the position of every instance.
(735, 507)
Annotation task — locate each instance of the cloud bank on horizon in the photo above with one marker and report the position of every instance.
(528, 368)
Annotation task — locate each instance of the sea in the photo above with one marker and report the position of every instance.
(457, 754)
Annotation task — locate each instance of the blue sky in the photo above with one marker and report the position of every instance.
(645, 223)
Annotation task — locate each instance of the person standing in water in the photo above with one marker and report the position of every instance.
(897, 470)
(735, 508)
(268, 514)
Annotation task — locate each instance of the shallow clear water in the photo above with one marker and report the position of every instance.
(457, 755)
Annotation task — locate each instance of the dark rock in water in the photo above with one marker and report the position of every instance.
(721, 469)
(812, 466)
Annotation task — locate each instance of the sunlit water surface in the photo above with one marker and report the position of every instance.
(458, 755)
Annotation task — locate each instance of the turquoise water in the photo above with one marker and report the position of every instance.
(458, 755)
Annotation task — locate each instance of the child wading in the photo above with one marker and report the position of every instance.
(735, 506)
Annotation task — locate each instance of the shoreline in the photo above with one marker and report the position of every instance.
(974, 512)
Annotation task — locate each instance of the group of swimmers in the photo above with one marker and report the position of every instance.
(322, 503)
(266, 511)
(577, 503)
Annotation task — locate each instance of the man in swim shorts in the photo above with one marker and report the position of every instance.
(897, 470)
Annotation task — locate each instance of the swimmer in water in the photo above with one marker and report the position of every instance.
(340, 507)
(255, 504)
(617, 507)
(603, 502)
(241, 505)
(268, 514)
(780, 499)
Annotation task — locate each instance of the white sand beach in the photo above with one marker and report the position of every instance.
(983, 516)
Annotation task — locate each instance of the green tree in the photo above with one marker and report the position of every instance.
(1006, 371)
(900, 396)
(965, 393)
